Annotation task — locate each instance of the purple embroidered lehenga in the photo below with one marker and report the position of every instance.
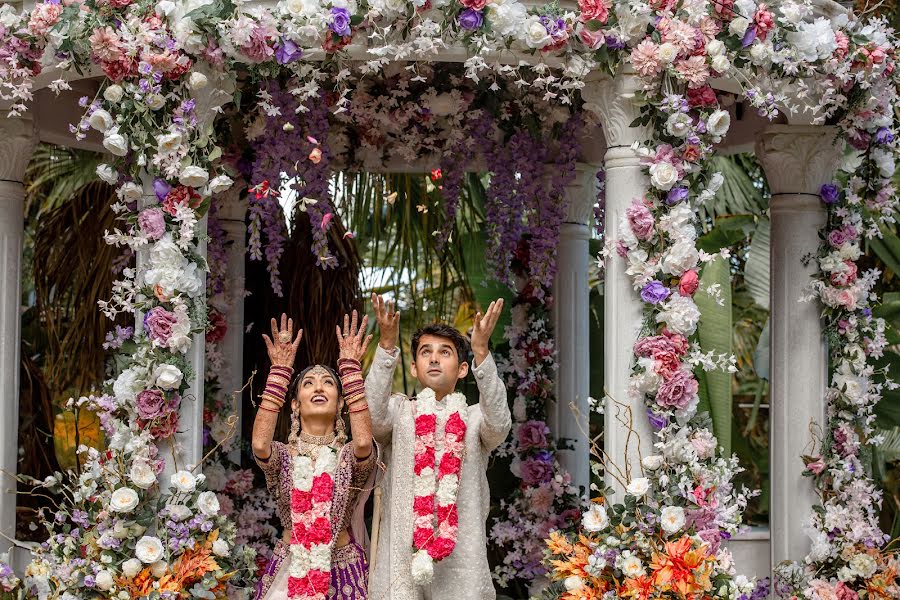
(349, 564)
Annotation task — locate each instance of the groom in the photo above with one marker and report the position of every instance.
(433, 545)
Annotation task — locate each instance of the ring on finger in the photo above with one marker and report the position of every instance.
(284, 337)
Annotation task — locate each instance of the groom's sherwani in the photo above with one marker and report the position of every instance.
(465, 573)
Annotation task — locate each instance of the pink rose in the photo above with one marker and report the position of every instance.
(836, 238)
(537, 469)
(151, 404)
(532, 434)
(679, 391)
(152, 223)
(591, 39)
(159, 324)
(689, 283)
(594, 10)
(846, 276)
(474, 4)
(640, 219)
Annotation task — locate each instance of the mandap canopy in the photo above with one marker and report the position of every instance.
(186, 88)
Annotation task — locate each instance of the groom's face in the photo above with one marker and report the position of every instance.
(437, 364)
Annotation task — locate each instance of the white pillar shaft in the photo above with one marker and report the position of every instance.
(231, 218)
(571, 315)
(16, 146)
(627, 433)
(185, 450)
(797, 161)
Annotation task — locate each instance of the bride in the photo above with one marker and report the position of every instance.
(318, 478)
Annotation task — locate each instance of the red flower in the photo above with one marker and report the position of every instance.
(322, 487)
(331, 46)
(421, 537)
(456, 425)
(119, 69)
(218, 327)
(441, 548)
(448, 513)
(300, 501)
(450, 464)
(320, 532)
(298, 534)
(702, 96)
(691, 153)
(181, 196)
(423, 505)
(424, 460)
(473, 4)
(425, 424)
(689, 283)
(318, 581)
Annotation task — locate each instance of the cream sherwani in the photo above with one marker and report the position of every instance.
(465, 573)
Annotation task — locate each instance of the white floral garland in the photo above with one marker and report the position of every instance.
(311, 541)
(436, 484)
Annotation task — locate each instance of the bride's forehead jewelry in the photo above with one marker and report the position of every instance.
(319, 370)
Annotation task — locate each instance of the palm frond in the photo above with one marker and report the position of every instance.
(55, 174)
(744, 190)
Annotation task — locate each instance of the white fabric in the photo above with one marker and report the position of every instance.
(465, 573)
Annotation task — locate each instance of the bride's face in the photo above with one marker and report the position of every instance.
(317, 393)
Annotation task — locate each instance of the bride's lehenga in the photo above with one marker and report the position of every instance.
(352, 481)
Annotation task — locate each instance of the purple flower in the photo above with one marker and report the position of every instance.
(749, 36)
(150, 404)
(532, 434)
(152, 223)
(89, 581)
(159, 323)
(538, 468)
(679, 391)
(654, 292)
(614, 43)
(676, 195)
(287, 52)
(829, 193)
(657, 422)
(884, 136)
(470, 19)
(161, 188)
(340, 21)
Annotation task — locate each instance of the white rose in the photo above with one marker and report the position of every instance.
(638, 487)
(534, 32)
(208, 504)
(220, 183)
(293, 7)
(107, 174)
(197, 81)
(220, 548)
(167, 377)
(759, 52)
(142, 475)
(104, 580)
(718, 122)
(595, 519)
(721, 64)
(738, 26)
(193, 176)
(678, 125)
(129, 192)
(131, 567)
(148, 549)
(101, 120)
(184, 481)
(715, 47)
(113, 93)
(115, 142)
(159, 568)
(667, 52)
(155, 101)
(885, 162)
(179, 512)
(630, 565)
(168, 142)
(124, 500)
(573, 582)
(663, 175)
(653, 462)
(671, 519)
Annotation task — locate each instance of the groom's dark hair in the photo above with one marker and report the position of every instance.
(460, 342)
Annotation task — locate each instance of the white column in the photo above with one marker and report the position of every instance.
(627, 433)
(797, 160)
(570, 415)
(17, 140)
(232, 213)
(186, 449)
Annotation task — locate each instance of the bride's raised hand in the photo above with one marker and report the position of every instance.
(353, 340)
(282, 346)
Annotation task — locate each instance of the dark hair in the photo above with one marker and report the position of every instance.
(460, 342)
(292, 388)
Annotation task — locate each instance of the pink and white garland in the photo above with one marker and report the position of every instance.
(436, 482)
(309, 576)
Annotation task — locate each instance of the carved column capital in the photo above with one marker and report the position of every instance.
(18, 137)
(613, 100)
(798, 159)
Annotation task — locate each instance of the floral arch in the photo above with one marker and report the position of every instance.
(164, 84)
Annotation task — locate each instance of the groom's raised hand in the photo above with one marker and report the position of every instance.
(484, 328)
(388, 322)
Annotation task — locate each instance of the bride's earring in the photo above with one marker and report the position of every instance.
(295, 427)
(339, 427)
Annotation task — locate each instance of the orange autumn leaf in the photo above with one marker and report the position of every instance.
(638, 588)
(558, 544)
(682, 568)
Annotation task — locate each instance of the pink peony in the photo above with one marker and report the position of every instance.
(159, 323)
(846, 276)
(537, 470)
(844, 592)
(815, 464)
(679, 391)
(532, 434)
(765, 21)
(645, 58)
(152, 223)
(594, 10)
(105, 44)
(640, 219)
(151, 404)
(181, 196)
(667, 364)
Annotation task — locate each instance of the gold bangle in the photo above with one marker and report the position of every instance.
(360, 409)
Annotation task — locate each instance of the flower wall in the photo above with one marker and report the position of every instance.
(170, 68)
